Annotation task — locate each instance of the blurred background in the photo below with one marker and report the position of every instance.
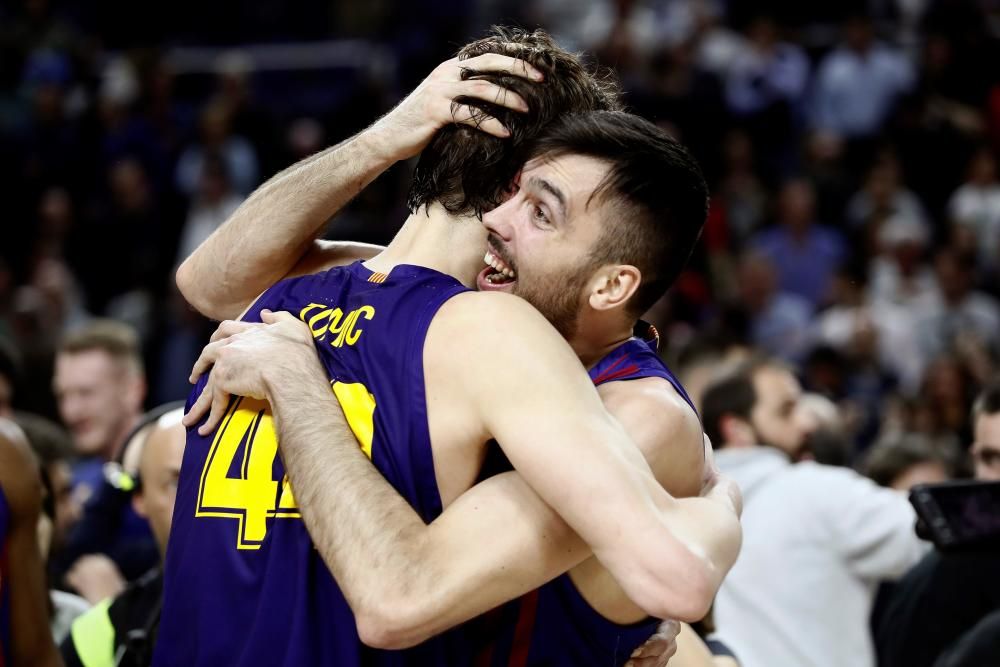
(851, 149)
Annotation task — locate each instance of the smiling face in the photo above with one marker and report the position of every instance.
(541, 239)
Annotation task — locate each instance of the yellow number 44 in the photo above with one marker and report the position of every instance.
(238, 482)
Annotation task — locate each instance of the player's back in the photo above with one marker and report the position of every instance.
(555, 625)
(244, 585)
(5, 658)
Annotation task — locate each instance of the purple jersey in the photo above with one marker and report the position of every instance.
(554, 626)
(5, 658)
(243, 583)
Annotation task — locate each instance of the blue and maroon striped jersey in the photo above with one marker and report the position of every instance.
(243, 584)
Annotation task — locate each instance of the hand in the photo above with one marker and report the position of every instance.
(242, 356)
(433, 104)
(95, 577)
(659, 648)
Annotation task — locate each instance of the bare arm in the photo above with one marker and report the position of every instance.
(272, 234)
(19, 479)
(589, 471)
(404, 580)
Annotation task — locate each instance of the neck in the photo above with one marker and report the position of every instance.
(597, 334)
(435, 239)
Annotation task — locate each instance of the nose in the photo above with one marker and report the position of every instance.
(70, 408)
(499, 220)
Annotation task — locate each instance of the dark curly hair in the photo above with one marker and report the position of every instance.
(468, 171)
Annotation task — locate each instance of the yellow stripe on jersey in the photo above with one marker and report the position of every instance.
(377, 278)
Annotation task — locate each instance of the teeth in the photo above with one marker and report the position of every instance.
(492, 260)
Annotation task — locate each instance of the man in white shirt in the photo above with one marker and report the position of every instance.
(817, 539)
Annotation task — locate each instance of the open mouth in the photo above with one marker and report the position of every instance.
(498, 275)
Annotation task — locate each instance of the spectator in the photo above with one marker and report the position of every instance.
(945, 596)
(743, 196)
(974, 209)
(100, 385)
(986, 433)
(858, 84)
(960, 311)
(214, 203)
(907, 460)
(778, 320)
(121, 631)
(765, 89)
(816, 538)
(804, 253)
(882, 196)
(899, 274)
(882, 335)
(217, 138)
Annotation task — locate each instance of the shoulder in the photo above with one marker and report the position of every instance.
(491, 317)
(666, 429)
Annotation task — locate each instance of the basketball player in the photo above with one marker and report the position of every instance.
(24, 620)
(445, 310)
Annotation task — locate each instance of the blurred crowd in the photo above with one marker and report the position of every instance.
(853, 235)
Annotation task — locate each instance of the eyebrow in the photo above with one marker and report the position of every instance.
(542, 184)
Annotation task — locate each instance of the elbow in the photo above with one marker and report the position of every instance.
(683, 592)
(391, 624)
(194, 290)
(188, 285)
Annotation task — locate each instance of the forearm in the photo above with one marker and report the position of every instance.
(276, 226)
(374, 548)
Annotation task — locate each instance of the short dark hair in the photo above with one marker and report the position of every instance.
(988, 401)
(654, 183)
(890, 458)
(734, 394)
(731, 396)
(468, 171)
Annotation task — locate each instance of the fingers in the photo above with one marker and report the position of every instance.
(466, 115)
(494, 62)
(230, 328)
(488, 91)
(205, 360)
(220, 401)
(271, 317)
(199, 408)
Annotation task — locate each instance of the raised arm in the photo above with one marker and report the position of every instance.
(273, 233)
(21, 485)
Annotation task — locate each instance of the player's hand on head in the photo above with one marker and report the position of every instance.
(241, 356)
(434, 103)
(659, 648)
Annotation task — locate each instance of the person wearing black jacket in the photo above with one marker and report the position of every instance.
(121, 631)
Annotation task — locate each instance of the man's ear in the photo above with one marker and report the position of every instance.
(613, 285)
(736, 432)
